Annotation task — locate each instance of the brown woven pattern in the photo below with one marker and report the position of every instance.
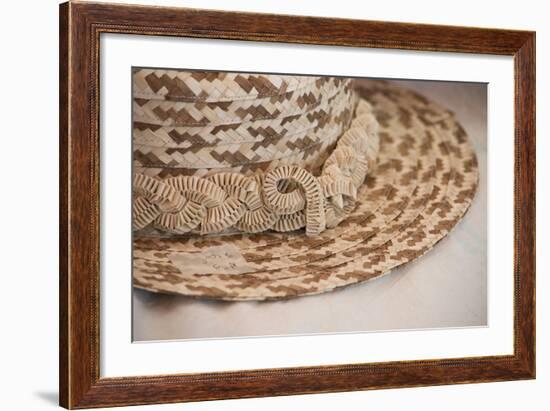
(179, 85)
(198, 113)
(325, 124)
(424, 182)
(201, 123)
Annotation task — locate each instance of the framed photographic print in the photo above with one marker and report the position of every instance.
(257, 205)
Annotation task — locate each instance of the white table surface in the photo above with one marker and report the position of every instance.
(445, 288)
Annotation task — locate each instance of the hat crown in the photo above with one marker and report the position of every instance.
(202, 123)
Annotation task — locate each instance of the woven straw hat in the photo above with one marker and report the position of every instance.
(253, 187)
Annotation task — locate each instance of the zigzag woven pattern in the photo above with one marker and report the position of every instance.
(199, 113)
(326, 124)
(284, 120)
(179, 85)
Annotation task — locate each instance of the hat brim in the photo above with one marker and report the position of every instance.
(424, 182)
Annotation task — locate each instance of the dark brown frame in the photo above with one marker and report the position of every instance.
(80, 27)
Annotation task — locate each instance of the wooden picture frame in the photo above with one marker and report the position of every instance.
(80, 27)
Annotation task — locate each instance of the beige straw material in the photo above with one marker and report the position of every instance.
(326, 124)
(190, 138)
(192, 86)
(224, 113)
(425, 180)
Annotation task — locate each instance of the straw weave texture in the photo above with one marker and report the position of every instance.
(312, 161)
(425, 180)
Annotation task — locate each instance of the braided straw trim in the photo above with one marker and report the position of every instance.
(285, 198)
(309, 196)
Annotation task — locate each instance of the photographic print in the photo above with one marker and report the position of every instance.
(355, 214)
(273, 204)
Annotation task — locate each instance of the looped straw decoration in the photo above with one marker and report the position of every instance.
(285, 198)
(288, 189)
